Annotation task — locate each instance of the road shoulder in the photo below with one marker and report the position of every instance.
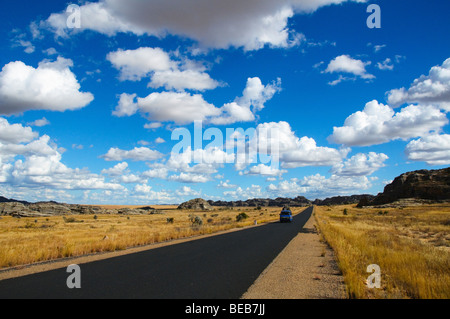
(305, 269)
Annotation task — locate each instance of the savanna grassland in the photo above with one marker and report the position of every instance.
(29, 240)
(410, 244)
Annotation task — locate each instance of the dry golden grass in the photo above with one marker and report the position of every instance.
(411, 245)
(30, 240)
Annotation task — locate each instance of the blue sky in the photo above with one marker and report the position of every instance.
(88, 111)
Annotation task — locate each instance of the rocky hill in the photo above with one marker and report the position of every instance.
(298, 201)
(197, 204)
(10, 200)
(342, 200)
(45, 209)
(431, 185)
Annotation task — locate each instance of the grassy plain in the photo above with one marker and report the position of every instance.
(411, 245)
(30, 240)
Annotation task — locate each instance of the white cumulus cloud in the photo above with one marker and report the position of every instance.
(253, 98)
(433, 88)
(379, 123)
(28, 161)
(346, 64)
(183, 107)
(432, 149)
(360, 164)
(51, 86)
(136, 154)
(127, 105)
(250, 24)
(156, 64)
(294, 151)
(15, 133)
(178, 107)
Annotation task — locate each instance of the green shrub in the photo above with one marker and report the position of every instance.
(69, 219)
(241, 216)
(72, 220)
(195, 220)
(29, 225)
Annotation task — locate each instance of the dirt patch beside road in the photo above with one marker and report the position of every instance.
(305, 269)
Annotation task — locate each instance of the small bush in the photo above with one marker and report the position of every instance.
(69, 219)
(170, 220)
(72, 220)
(195, 220)
(345, 211)
(241, 216)
(29, 225)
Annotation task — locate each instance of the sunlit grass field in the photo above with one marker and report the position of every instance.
(411, 245)
(29, 240)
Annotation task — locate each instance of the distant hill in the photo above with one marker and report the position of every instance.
(299, 201)
(342, 200)
(9, 200)
(11, 207)
(423, 184)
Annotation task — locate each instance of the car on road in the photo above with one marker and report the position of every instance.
(285, 215)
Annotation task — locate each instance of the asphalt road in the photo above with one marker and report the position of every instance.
(217, 267)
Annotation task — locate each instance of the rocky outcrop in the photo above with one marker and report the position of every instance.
(298, 201)
(14, 209)
(45, 209)
(431, 185)
(196, 204)
(9, 200)
(342, 200)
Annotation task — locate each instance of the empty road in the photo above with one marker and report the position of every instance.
(217, 267)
